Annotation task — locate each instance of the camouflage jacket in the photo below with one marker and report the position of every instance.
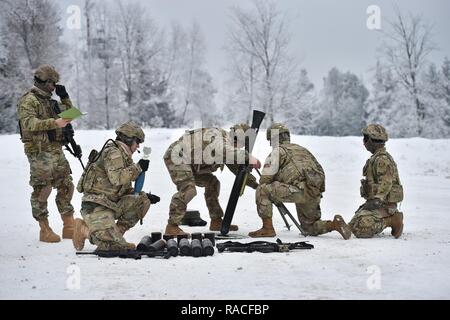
(109, 178)
(292, 164)
(381, 179)
(205, 150)
(37, 120)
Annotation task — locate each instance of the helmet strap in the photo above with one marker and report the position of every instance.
(125, 139)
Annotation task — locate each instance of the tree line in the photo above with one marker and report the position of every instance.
(124, 66)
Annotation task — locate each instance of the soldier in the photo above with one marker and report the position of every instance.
(292, 174)
(190, 172)
(380, 187)
(108, 194)
(41, 131)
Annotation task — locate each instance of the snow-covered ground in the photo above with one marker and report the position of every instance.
(412, 267)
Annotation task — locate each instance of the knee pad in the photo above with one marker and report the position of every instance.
(364, 227)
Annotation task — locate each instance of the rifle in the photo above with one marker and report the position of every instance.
(69, 133)
(262, 246)
(240, 180)
(127, 254)
(76, 149)
(284, 211)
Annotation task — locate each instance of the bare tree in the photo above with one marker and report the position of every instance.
(88, 6)
(35, 23)
(138, 41)
(195, 58)
(409, 45)
(261, 35)
(175, 54)
(244, 77)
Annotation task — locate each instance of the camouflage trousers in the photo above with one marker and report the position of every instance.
(367, 223)
(48, 170)
(186, 181)
(308, 208)
(101, 221)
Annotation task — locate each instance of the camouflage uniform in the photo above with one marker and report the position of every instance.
(109, 196)
(292, 174)
(299, 179)
(189, 174)
(43, 141)
(381, 181)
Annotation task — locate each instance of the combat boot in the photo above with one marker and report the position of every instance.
(174, 230)
(46, 233)
(267, 230)
(216, 225)
(396, 223)
(122, 229)
(80, 234)
(338, 224)
(68, 222)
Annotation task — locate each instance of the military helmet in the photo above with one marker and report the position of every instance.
(132, 130)
(375, 132)
(237, 130)
(276, 126)
(240, 126)
(46, 73)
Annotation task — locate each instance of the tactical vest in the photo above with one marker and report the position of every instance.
(45, 109)
(298, 165)
(371, 184)
(95, 179)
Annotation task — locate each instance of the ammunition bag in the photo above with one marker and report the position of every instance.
(315, 179)
(93, 156)
(396, 194)
(363, 190)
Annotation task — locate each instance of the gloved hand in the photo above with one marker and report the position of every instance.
(254, 163)
(153, 198)
(144, 164)
(373, 204)
(61, 91)
(77, 151)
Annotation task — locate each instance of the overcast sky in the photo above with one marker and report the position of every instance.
(325, 33)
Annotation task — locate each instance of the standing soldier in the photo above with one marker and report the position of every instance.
(292, 174)
(380, 187)
(41, 131)
(187, 171)
(108, 194)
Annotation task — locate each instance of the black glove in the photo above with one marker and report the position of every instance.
(61, 91)
(153, 198)
(144, 164)
(77, 151)
(373, 204)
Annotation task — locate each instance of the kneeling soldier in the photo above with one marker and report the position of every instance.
(380, 187)
(108, 194)
(292, 174)
(192, 172)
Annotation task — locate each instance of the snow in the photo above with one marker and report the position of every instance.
(412, 267)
